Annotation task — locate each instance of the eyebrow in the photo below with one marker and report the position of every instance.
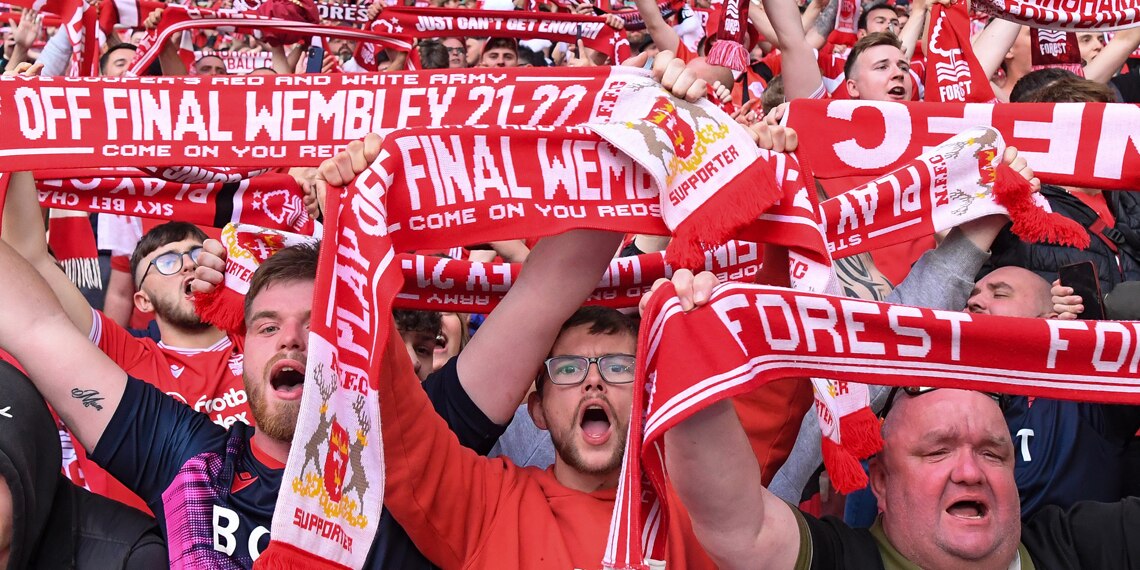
(271, 314)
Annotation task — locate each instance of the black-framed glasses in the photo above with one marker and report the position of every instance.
(572, 370)
(170, 262)
(914, 391)
(457, 51)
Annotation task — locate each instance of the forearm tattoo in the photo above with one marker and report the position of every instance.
(90, 398)
(861, 279)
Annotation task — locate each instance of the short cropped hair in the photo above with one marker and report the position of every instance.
(429, 322)
(294, 263)
(106, 57)
(1072, 90)
(881, 5)
(161, 235)
(1035, 80)
(602, 321)
(867, 42)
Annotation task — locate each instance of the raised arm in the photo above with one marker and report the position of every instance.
(74, 376)
(25, 232)
(915, 25)
(821, 28)
(993, 43)
(1113, 56)
(801, 69)
(662, 33)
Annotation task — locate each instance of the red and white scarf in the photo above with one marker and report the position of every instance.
(846, 27)
(1091, 145)
(272, 200)
(750, 335)
(72, 243)
(358, 278)
(957, 75)
(1076, 15)
(426, 23)
(731, 34)
(1055, 48)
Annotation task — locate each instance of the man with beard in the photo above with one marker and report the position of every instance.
(193, 362)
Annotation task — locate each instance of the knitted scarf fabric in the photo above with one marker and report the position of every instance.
(957, 74)
(750, 335)
(358, 279)
(1075, 16)
(1087, 145)
(1055, 48)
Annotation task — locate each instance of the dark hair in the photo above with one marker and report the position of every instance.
(867, 42)
(433, 55)
(106, 57)
(294, 263)
(602, 321)
(1072, 89)
(883, 5)
(418, 321)
(161, 235)
(773, 95)
(505, 43)
(531, 57)
(1035, 80)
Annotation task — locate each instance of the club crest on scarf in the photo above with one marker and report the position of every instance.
(689, 131)
(283, 207)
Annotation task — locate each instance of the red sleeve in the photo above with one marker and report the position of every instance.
(121, 263)
(134, 355)
(683, 52)
(443, 494)
(774, 62)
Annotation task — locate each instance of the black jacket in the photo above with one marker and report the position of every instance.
(1045, 259)
(55, 524)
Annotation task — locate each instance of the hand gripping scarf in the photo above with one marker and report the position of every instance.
(748, 335)
(957, 74)
(330, 520)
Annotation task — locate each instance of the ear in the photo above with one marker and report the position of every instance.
(142, 302)
(852, 89)
(879, 481)
(534, 408)
(860, 34)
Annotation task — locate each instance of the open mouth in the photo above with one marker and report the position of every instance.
(898, 92)
(187, 290)
(595, 424)
(287, 378)
(972, 510)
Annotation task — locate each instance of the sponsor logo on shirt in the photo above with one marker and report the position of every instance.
(218, 407)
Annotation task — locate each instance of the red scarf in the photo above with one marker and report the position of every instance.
(728, 47)
(750, 335)
(176, 18)
(1073, 144)
(1076, 15)
(376, 217)
(80, 21)
(271, 200)
(846, 29)
(72, 243)
(426, 23)
(957, 75)
(1055, 48)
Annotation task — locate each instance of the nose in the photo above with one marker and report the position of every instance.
(188, 263)
(594, 379)
(976, 304)
(294, 336)
(966, 470)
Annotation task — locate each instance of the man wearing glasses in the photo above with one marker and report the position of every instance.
(191, 361)
(456, 52)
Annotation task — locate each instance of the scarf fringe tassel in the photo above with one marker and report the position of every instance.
(83, 272)
(283, 556)
(223, 308)
(722, 215)
(862, 438)
(1030, 222)
(730, 54)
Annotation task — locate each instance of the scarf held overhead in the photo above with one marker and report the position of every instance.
(264, 121)
(1089, 145)
(358, 280)
(750, 335)
(1074, 15)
